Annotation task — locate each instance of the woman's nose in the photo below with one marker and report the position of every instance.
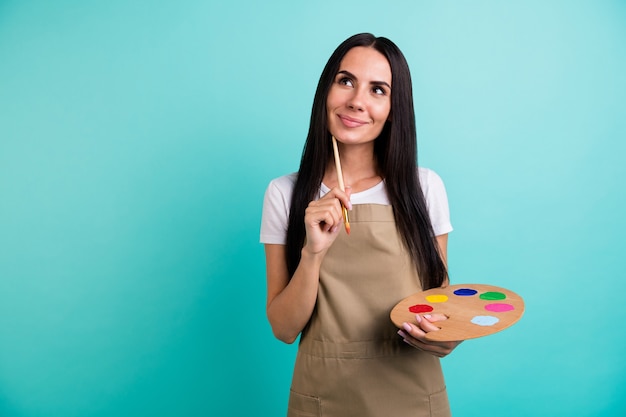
(356, 101)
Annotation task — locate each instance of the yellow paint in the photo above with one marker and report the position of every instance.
(437, 298)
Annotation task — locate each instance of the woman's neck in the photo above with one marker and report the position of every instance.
(359, 166)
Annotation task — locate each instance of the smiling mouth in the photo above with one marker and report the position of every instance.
(350, 122)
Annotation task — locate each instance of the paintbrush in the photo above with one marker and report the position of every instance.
(346, 221)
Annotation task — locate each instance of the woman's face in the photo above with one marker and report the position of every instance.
(359, 100)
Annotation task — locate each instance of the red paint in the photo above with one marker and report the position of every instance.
(420, 308)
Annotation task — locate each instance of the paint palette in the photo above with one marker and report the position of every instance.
(473, 310)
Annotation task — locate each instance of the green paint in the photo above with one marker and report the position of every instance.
(492, 295)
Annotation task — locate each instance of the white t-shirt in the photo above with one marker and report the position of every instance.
(277, 203)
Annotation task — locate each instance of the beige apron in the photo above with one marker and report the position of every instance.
(351, 361)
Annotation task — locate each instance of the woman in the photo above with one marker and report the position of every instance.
(336, 290)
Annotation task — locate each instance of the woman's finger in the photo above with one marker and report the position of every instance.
(416, 337)
(426, 322)
(342, 196)
(326, 215)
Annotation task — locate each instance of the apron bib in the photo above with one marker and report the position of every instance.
(350, 360)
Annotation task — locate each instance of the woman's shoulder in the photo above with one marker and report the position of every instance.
(429, 178)
(285, 181)
(276, 204)
(283, 184)
(436, 200)
(281, 188)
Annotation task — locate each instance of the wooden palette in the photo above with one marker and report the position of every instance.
(473, 310)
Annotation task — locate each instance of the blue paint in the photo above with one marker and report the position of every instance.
(465, 292)
(485, 320)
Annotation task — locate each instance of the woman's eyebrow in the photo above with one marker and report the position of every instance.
(350, 75)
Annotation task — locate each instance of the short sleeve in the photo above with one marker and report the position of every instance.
(275, 216)
(436, 201)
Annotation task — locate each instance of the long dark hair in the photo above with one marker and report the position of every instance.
(396, 153)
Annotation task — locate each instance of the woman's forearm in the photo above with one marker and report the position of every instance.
(290, 310)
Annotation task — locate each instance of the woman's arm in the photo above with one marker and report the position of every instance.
(290, 302)
(442, 242)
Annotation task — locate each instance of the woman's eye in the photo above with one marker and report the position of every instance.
(345, 81)
(379, 90)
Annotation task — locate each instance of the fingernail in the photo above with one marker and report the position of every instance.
(418, 318)
(427, 316)
(406, 327)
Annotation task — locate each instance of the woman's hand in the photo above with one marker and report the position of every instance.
(323, 219)
(416, 335)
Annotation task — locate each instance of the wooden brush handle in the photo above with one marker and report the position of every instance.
(338, 165)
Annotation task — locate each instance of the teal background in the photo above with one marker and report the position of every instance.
(136, 142)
